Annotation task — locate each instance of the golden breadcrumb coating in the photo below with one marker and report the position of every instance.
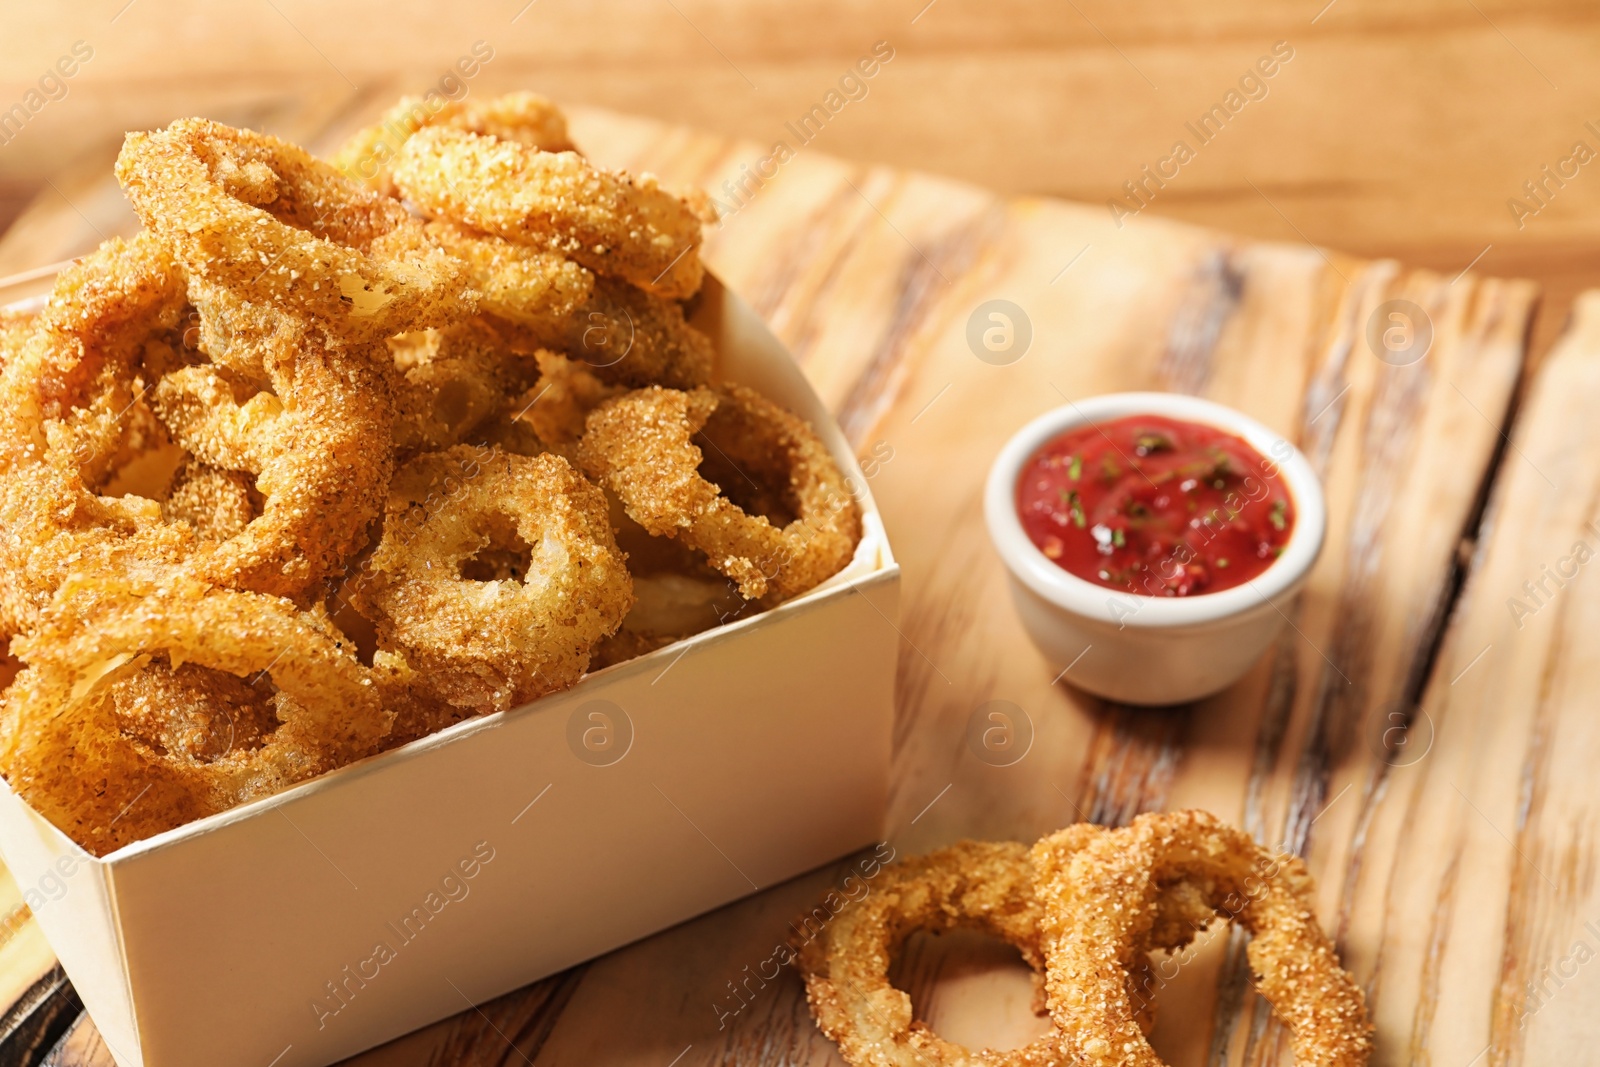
(487, 642)
(62, 709)
(983, 885)
(612, 223)
(526, 118)
(643, 447)
(1099, 898)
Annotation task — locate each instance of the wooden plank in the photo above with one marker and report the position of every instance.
(872, 275)
(1489, 911)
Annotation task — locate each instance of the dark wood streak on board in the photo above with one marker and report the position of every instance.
(928, 700)
(81, 1045)
(1480, 529)
(1345, 686)
(1352, 706)
(1329, 387)
(538, 1023)
(1131, 761)
(40, 1017)
(928, 279)
(1185, 363)
(1521, 949)
(933, 626)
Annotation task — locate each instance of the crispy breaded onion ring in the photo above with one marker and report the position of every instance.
(629, 337)
(555, 407)
(1098, 900)
(611, 223)
(198, 406)
(71, 409)
(526, 118)
(76, 368)
(318, 446)
(533, 288)
(983, 885)
(72, 399)
(262, 226)
(642, 447)
(483, 629)
(61, 710)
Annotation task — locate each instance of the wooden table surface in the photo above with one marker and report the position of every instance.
(1419, 737)
(1397, 130)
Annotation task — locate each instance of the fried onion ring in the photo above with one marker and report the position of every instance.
(1099, 898)
(120, 788)
(983, 885)
(71, 411)
(611, 223)
(316, 445)
(262, 225)
(642, 447)
(76, 368)
(487, 631)
(526, 118)
(533, 288)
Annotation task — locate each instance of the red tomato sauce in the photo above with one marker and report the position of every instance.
(1153, 505)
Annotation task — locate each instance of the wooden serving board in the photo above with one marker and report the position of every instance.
(1424, 751)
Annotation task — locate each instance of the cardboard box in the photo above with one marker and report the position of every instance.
(308, 926)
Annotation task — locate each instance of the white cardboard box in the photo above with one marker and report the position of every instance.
(308, 926)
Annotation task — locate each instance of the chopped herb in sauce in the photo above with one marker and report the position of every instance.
(1197, 511)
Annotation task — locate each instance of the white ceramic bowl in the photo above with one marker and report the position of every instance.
(1142, 649)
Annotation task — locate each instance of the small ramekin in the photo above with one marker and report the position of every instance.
(1140, 649)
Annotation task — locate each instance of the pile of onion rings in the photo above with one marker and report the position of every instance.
(1085, 907)
(294, 475)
